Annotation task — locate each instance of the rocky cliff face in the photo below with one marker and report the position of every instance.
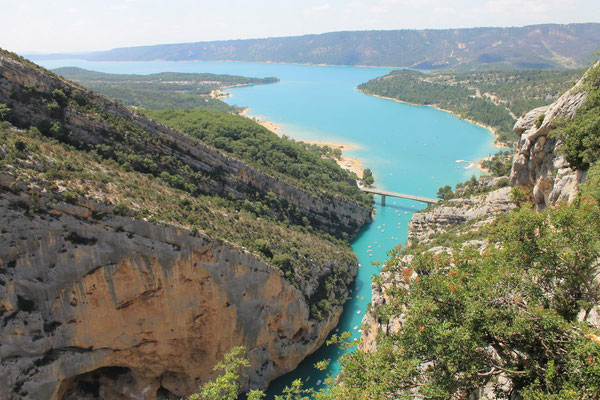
(468, 213)
(29, 91)
(94, 304)
(538, 167)
(98, 305)
(479, 210)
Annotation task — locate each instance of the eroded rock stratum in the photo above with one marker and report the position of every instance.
(98, 304)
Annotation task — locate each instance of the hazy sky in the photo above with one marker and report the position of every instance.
(79, 25)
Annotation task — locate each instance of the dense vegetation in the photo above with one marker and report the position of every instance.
(565, 46)
(120, 158)
(509, 311)
(507, 317)
(499, 164)
(494, 98)
(312, 165)
(510, 316)
(581, 136)
(163, 90)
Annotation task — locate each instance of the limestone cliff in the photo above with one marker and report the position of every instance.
(538, 166)
(479, 210)
(89, 119)
(457, 217)
(95, 304)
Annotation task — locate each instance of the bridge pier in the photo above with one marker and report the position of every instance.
(382, 200)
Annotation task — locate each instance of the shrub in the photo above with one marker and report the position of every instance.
(70, 197)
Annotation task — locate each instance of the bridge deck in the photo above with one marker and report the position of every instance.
(400, 195)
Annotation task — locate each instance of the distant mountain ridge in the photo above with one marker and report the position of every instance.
(535, 46)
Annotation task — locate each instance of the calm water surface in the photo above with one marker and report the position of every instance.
(410, 149)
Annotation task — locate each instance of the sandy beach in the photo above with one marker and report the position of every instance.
(345, 162)
(272, 126)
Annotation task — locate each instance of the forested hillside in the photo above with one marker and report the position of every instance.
(535, 46)
(163, 90)
(494, 98)
(140, 171)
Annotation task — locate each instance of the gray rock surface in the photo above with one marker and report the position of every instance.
(484, 208)
(94, 304)
(538, 168)
(102, 305)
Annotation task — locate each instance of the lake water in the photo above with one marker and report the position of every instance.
(410, 149)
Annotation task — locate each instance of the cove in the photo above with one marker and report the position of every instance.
(410, 149)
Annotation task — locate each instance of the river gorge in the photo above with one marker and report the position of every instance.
(410, 149)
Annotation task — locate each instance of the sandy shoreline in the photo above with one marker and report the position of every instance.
(497, 143)
(345, 162)
(270, 125)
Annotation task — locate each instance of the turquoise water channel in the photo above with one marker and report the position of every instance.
(410, 149)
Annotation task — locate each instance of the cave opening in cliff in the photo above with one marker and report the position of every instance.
(100, 383)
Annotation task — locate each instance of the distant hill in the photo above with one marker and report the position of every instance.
(535, 46)
(493, 98)
(164, 90)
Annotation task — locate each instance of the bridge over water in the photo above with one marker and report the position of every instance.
(384, 194)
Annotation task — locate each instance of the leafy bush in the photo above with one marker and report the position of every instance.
(581, 136)
(70, 197)
(511, 310)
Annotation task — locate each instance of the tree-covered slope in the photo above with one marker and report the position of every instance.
(163, 90)
(493, 98)
(77, 143)
(536, 46)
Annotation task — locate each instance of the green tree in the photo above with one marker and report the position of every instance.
(226, 386)
(445, 193)
(510, 310)
(5, 112)
(367, 178)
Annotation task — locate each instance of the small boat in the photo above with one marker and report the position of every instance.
(358, 312)
(318, 382)
(356, 327)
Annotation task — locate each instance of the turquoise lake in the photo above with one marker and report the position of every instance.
(410, 149)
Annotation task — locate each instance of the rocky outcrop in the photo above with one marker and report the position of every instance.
(89, 120)
(477, 210)
(480, 209)
(94, 304)
(538, 167)
(98, 305)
